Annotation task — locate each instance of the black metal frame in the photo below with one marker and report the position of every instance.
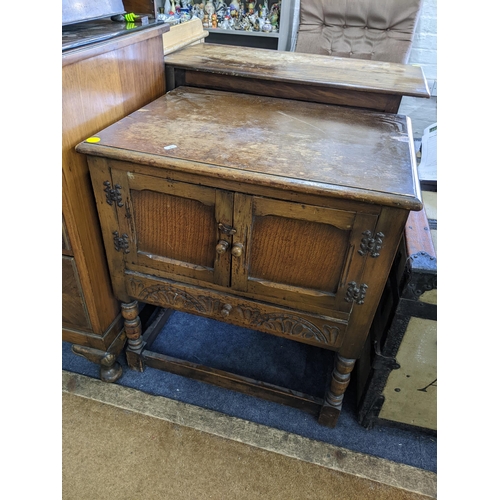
(409, 278)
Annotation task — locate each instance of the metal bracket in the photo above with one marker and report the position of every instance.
(371, 244)
(356, 293)
(113, 195)
(121, 242)
(226, 229)
(384, 362)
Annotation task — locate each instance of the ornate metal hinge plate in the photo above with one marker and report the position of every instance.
(356, 293)
(113, 195)
(371, 244)
(121, 242)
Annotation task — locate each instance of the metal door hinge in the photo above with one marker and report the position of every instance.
(113, 195)
(371, 244)
(356, 293)
(121, 242)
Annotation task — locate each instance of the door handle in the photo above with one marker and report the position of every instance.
(237, 250)
(222, 247)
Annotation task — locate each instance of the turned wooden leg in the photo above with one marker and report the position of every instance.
(340, 379)
(133, 331)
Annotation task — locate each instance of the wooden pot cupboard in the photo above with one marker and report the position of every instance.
(101, 83)
(272, 214)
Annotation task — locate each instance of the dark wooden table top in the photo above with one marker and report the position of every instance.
(306, 69)
(302, 146)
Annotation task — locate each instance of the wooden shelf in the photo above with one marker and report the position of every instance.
(244, 33)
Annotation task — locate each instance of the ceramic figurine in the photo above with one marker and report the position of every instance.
(214, 20)
(264, 9)
(227, 23)
(267, 27)
(206, 21)
(251, 8)
(209, 8)
(195, 12)
(246, 24)
(274, 15)
(220, 6)
(253, 21)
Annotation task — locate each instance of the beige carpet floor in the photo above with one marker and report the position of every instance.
(119, 443)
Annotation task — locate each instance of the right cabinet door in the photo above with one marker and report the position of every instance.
(302, 256)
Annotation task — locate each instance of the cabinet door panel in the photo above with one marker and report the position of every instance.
(302, 255)
(296, 252)
(174, 227)
(171, 226)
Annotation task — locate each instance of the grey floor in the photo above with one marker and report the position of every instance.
(422, 112)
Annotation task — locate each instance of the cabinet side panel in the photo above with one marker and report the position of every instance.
(74, 311)
(98, 91)
(66, 245)
(375, 273)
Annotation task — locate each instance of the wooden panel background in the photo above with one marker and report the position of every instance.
(99, 87)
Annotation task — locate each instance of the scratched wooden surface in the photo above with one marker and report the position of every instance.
(307, 142)
(308, 69)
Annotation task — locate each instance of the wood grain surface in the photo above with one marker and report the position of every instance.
(306, 69)
(348, 151)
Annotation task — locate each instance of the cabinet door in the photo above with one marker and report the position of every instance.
(299, 255)
(173, 227)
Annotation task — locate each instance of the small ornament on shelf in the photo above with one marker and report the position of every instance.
(209, 8)
(263, 9)
(267, 27)
(274, 15)
(234, 8)
(229, 14)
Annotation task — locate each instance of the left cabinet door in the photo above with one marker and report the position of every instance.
(171, 227)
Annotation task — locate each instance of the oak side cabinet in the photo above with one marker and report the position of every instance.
(101, 83)
(272, 214)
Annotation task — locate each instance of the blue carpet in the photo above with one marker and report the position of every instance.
(271, 359)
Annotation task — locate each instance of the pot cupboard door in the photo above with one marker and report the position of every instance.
(299, 255)
(173, 227)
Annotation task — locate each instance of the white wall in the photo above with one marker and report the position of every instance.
(424, 48)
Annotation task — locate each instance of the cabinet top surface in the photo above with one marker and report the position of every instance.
(305, 147)
(308, 69)
(76, 36)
